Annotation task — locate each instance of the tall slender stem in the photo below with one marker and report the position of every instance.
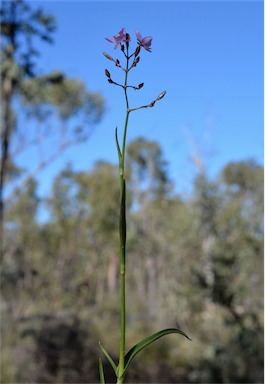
(122, 280)
(123, 235)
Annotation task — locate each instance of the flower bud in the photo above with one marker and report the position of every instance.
(152, 103)
(161, 95)
(137, 51)
(128, 39)
(117, 63)
(136, 61)
(140, 86)
(107, 73)
(108, 56)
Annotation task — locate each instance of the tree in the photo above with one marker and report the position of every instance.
(147, 171)
(36, 107)
(17, 20)
(18, 267)
(230, 215)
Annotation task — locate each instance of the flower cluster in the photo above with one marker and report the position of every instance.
(122, 39)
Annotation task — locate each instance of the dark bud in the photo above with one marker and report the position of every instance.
(108, 56)
(117, 63)
(137, 51)
(128, 39)
(122, 47)
(140, 86)
(152, 103)
(107, 73)
(136, 61)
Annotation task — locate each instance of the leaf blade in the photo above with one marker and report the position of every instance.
(147, 341)
(108, 357)
(117, 145)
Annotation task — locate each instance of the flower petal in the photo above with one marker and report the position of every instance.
(138, 35)
(144, 41)
(147, 40)
(111, 39)
(118, 38)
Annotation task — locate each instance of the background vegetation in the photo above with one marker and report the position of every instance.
(194, 262)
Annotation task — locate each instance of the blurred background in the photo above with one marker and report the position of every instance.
(195, 190)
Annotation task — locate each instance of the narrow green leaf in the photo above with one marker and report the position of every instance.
(101, 372)
(108, 357)
(117, 144)
(144, 343)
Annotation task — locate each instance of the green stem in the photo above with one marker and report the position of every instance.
(123, 236)
(122, 339)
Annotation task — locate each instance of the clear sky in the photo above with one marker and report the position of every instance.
(207, 55)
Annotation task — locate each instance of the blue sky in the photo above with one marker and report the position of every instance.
(207, 55)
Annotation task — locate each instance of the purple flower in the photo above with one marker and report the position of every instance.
(144, 41)
(118, 39)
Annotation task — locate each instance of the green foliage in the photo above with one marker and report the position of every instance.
(69, 96)
(108, 358)
(243, 176)
(148, 340)
(101, 372)
(147, 170)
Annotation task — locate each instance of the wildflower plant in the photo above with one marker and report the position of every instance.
(122, 40)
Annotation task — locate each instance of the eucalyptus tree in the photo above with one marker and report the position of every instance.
(19, 25)
(42, 114)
